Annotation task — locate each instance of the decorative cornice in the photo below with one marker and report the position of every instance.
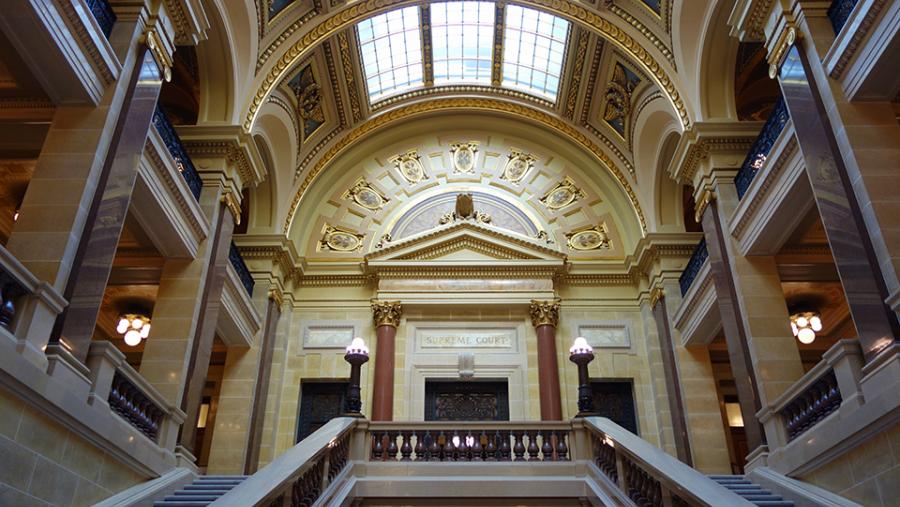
(386, 313)
(279, 252)
(457, 90)
(238, 149)
(491, 105)
(283, 36)
(87, 43)
(595, 279)
(700, 151)
(332, 76)
(473, 244)
(153, 155)
(544, 313)
(354, 13)
(358, 280)
(189, 19)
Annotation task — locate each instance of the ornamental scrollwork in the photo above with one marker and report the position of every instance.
(544, 313)
(386, 313)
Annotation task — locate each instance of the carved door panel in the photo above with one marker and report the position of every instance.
(474, 400)
(614, 399)
(320, 402)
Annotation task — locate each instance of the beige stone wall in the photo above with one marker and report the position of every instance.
(43, 463)
(869, 474)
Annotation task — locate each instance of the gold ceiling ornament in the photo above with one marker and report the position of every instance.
(352, 13)
(590, 238)
(463, 156)
(785, 40)
(339, 239)
(410, 166)
(472, 104)
(563, 194)
(364, 194)
(517, 166)
(544, 313)
(386, 313)
(385, 239)
(706, 198)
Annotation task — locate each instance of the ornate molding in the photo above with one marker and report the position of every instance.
(656, 294)
(354, 13)
(577, 71)
(161, 54)
(276, 295)
(386, 313)
(544, 313)
(349, 76)
(701, 150)
(231, 202)
(856, 39)
(457, 90)
(706, 197)
(491, 105)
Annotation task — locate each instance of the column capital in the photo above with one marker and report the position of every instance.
(707, 195)
(657, 293)
(386, 313)
(544, 313)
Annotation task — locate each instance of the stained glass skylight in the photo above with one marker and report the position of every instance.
(391, 48)
(534, 44)
(462, 39)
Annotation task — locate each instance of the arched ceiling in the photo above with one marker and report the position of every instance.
(308, 81)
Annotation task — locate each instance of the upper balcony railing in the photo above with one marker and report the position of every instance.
(839, 13)
(761, 147)
(234, 255)
(173, 144)
(693, 266)
(104, 15)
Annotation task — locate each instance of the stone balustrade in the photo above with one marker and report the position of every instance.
(28, 308)
(831, 384)
(469, 442)
(646, 474)
(115, 383)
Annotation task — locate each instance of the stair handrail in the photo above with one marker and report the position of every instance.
(305, 470)
(628, 456)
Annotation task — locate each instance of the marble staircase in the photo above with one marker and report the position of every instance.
(751, 492)
(205, 490)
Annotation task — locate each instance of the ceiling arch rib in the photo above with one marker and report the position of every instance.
(481, 105)
(627, 38)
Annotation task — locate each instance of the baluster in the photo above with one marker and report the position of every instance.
(533, 448)
(562, 450)
(451, 450)
(463, 449)
(420, 447)
(377, 447)
(505, 450)
(477, 449)
(392, 445)
(434, 447)
(491, 447)
(547, 445)
(519, 447)
(405, 448)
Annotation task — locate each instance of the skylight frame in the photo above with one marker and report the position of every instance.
(534, 51)
(462, 41)
(388, 70)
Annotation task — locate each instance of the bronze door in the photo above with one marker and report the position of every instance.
(474, 400)
(320, 402)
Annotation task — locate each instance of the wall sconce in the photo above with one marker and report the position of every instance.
(357, 355)
(133, 327)
(805, 325)
(581, 353)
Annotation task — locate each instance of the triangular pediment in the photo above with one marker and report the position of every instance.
(466, 242)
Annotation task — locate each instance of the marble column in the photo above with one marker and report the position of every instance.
(93, 260)
(261, 387)
(544, 318)
(851, 244)
(670, 373)
(386, 315)
(733, 326)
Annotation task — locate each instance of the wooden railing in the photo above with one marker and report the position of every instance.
(469, 441)
(812, 405)
(300, 476)
(647, 475)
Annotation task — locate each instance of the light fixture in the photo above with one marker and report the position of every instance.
(357, 355)
(133, 327)
(581, 353)
(805, 325)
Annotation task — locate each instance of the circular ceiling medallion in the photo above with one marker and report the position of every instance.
(412, 170)
(561, 197)
(342, 241)
(587, 240)
(515, 169)
(464, 158)
(368, 198)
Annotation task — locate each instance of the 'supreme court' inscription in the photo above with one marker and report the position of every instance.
(447, 339)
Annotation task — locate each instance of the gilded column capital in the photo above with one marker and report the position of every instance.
(386, 313)
(656, 293)
(276, 295)
(707, 196)
(544, 313)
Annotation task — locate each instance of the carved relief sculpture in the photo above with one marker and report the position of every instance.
(410, 167)
(365, 195)
(340, 240)
(592, 238)
(465, 210)
(563, 194)
(463, 157)
(309, 100)
(517, 166)
(386, 313)
(544, 313)
(618, 97)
